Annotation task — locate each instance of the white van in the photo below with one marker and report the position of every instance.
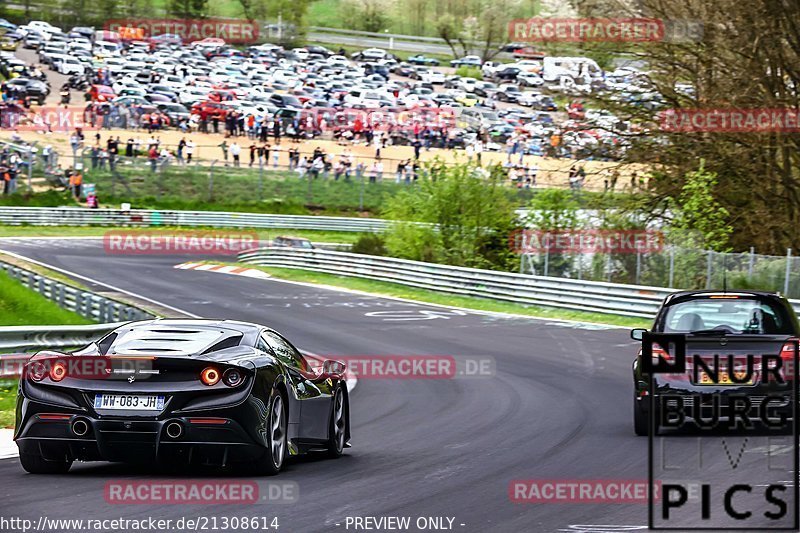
(580, 69)
(105, 48)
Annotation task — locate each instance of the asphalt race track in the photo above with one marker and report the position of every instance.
(558, 407)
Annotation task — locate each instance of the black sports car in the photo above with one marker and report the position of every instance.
(719, 332)
(214, 392)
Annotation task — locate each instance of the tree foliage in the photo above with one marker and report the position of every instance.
(746, 57)
(187, 8)
(472, 214)
(698, 212)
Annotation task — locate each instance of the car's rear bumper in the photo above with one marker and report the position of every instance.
(206, 439)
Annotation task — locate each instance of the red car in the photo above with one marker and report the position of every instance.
(100, 93)
(528, 52)
(208, 110)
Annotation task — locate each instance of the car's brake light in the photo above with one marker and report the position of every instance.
(787, 350)
(210, 376)
(658, 353)
(37, 371)
(58, 371)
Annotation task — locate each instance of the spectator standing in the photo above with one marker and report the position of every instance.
(181, 148)
(189, 150)
(76, 184)
(152, 156)
(236, 151)
(224, 146)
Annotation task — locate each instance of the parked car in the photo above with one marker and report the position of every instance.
(421, 59)
(28, 87)
(467, 61)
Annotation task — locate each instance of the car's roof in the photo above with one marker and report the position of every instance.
(688, 295)
(188, 323)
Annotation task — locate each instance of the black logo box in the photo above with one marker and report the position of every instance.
(675, 345)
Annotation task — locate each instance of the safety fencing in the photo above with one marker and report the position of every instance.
(76, 216)
(616, 299)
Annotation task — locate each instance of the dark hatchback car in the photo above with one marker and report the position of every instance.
(725, 324)
(35, 89)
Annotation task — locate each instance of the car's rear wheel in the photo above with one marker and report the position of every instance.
(338, 425)
(36, 464)
(273, 458)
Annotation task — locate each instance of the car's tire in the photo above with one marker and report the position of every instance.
(36, 464)
(641, 420)
(275, 455)
(338, 425)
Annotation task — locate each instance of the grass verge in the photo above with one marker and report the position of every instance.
(8, 401)
(383, 288)
(21, 306)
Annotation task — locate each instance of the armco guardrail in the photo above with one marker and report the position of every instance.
(77, 216)
(88, 304)
(625, 300)
(25, 338)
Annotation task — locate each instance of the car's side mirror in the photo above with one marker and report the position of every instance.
(638, 334)
(333, 368)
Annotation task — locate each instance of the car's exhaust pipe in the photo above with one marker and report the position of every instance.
(80, 427)
(174, 429)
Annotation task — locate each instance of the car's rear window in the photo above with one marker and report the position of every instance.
(169, 339)
(733, 315)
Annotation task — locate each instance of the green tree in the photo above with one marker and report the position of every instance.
(188, 8)
(553, 210)
(471, 213)
(367, 15)
(698, 215)
(292, 13)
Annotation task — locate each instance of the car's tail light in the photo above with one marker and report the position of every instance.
(58, 371)
(233, 377)
(658, 353)
(787, 357)
(210, 376)
(787, 350)
(37, 371)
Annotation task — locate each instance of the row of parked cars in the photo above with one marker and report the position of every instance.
(207, 80)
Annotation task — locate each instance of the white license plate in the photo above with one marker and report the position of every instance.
(129, 402)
